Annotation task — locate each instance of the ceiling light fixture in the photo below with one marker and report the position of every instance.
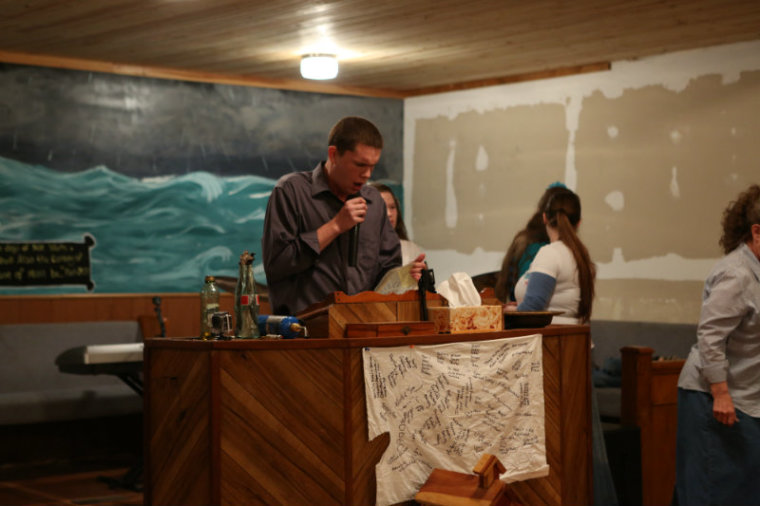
(319, 66)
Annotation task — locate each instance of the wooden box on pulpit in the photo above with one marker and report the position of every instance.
(330, 317)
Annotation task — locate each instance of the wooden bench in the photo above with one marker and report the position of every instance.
(650, 402)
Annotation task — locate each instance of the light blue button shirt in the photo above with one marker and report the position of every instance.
(728, 335)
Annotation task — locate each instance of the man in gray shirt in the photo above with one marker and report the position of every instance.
(306, 242)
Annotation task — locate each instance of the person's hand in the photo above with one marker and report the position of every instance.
(723, 404)
(509, 306)
(418, 265)
(353, 212)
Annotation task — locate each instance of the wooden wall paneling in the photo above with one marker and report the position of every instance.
(282, 419)
(183, 314)
(180, 446)
(181, 310)
(32, 310)
(72, 309)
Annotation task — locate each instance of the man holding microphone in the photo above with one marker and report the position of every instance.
(325, 230)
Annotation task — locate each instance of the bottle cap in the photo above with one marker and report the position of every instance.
(210, 278)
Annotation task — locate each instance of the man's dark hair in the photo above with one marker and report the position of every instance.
(352, 130)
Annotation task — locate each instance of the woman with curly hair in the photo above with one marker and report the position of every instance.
(718, 438)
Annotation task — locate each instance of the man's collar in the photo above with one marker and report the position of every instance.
(319, 180)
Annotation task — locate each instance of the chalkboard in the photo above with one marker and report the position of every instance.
(70, 121)
(46, 263)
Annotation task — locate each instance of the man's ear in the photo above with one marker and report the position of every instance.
(332, 152)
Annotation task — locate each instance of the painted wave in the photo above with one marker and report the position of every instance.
(152, 235)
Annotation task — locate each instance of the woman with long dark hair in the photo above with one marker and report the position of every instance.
(561, 276)
(718, 437)
(524, 247)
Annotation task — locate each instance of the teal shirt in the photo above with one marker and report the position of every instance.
(525, 260)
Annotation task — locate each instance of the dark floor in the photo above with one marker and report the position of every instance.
(67, 463)
(84, 488)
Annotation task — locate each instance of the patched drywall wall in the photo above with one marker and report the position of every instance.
(475, 178)
(657, 166)
(655, 148)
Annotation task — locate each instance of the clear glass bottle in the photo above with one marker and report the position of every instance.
(209, 306)
(246, 300)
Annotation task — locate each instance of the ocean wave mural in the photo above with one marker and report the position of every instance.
(161, 181)
(159, 234)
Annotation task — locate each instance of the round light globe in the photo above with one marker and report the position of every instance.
(319, 66)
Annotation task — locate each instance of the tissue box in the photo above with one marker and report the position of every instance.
(456, 320)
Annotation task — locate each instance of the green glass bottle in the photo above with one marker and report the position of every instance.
(209, 306)
(246, 300)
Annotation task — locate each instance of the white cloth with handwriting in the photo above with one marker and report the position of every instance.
(446, 405)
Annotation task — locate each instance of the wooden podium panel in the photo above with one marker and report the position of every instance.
(283, 422)
(180, 437)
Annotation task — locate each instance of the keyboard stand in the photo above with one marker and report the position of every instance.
(125, 361)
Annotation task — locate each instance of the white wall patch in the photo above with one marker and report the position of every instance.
(675, 190)
(481, 160)
(615, 200)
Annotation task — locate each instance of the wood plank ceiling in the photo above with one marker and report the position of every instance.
(393, 48)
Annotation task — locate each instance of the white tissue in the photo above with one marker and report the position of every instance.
(459, 290)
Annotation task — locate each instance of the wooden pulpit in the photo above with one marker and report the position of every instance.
(283, 422)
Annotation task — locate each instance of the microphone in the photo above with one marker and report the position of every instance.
(353, 245)
(353, 240)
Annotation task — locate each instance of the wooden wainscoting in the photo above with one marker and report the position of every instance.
(181, 310)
